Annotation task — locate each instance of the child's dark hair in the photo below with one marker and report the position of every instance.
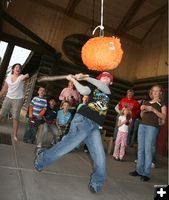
(51, 99)
(13, 67)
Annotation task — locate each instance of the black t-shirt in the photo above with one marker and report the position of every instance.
(97, 107)
(50, 115)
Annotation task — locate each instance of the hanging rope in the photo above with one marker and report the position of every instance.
(101, 25)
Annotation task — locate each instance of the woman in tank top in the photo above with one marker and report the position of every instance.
(14, 89)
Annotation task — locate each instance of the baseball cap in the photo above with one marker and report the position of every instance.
(105, 74)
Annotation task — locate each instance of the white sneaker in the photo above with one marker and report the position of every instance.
(153, 165)
(39, 145)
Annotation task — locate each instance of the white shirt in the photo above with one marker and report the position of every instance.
(124, 127)
(15, 89)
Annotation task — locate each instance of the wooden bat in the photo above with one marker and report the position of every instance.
(59, 77)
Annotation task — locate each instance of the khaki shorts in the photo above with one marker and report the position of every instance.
(11, 105)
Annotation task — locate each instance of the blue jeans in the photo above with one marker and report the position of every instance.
(30, 134)
(135, 130)
(42, 139)
(147, 136)
(130, 132)
(81, 129)
(116, 127)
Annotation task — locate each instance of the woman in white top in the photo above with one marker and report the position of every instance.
(14, 86)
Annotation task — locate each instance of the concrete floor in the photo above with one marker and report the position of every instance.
(67, 179)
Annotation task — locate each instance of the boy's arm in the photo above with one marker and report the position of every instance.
(30, 111)
(101, 86)
(83, 90)
(42, 112)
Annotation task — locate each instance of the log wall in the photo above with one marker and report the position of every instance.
(154, 52)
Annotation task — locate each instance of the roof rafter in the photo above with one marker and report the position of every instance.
(147, 17)
(129, 15)
(23, 43)
(1, 6)
(152, 26)
(5, 62)
(25, 30)
(81, 18)
(71, 7)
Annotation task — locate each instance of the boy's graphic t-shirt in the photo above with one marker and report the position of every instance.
(97, 107)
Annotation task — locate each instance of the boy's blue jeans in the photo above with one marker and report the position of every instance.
(81, 129)
(31, 131)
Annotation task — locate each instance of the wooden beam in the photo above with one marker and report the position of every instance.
(26, 31)
(3, 3)
(129, 15)
(49, 4)
(71, 7)
(83, 19)
(152, 26)
(23, 43)
(5, 62)
(147, 17)
(123, 35)
(1, 7)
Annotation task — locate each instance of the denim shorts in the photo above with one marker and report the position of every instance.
(13, 106)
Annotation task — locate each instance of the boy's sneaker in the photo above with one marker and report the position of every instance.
(94, 190)
(91, 188)
(36, 164)
(37, 153)
(39, 145)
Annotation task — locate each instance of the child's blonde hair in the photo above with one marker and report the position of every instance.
(126, 108)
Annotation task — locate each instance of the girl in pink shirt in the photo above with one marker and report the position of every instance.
(71, 95)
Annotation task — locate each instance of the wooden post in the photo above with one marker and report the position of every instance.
(5, 62)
